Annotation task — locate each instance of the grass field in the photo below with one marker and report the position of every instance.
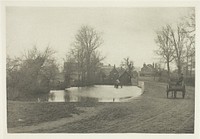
(152, 112)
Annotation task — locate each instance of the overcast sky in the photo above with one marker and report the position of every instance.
(127, 32)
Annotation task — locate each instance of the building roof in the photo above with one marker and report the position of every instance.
(106, 69)
(148, 67)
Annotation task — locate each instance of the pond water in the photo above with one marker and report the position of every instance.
(97, 93)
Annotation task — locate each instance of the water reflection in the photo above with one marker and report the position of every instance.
(70, 98)
(52, 96)
(94, 94)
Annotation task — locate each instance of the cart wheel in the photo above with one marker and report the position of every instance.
(183, 94)
(167, 93)
(167, 90)
(175, 93)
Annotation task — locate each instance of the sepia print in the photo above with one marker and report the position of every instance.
(100, 69)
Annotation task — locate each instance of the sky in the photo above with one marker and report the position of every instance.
(126, 32)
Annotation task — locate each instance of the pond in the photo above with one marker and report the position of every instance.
(97, 93)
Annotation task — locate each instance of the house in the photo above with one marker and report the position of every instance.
(110, 74)
(114, 75)
(148, 70)
(125, 78)
(103, 75)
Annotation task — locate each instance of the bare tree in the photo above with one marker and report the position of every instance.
(96, 59)
(190, 41)
(190, 23)
(34, 72)
(87, 40)
(165, 47)
(39, 69)
(177, 38)
(178, 43)
(190, 53)
(128, 65)
(13, 66)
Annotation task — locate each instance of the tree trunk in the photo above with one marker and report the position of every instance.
(88, 70)
(179, 69)
(168, 68)
(191, 66)
(179, 66)
(187, 62)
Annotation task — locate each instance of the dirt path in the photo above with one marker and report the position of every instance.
(150, 113)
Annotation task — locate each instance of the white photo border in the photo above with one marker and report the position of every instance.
(95, 3)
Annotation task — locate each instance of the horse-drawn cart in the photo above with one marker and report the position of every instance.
(174, 86)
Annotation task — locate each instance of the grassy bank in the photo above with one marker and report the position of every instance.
(150, 113)
(33, 113)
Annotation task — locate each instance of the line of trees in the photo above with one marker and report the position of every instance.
(177, 44)
(36, 72)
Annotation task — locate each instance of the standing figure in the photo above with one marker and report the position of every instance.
(117, 83)
(180, 80)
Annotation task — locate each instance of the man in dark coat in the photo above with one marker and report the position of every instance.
(180, 80)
